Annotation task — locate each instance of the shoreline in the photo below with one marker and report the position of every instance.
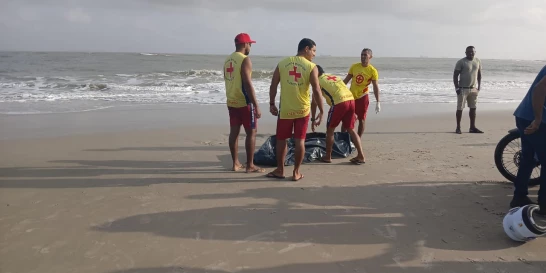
(417, 105)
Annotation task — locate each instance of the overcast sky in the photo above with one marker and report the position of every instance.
(502, 29)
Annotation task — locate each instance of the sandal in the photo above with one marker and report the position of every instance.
(357, 161)
(273, 175)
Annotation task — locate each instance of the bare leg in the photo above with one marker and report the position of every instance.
(458, 115)
(233, 147)
(361, 127)
(472, 115)
(300, 153)
(280, 154)
(250, 143)
(358, 145)
(329, 145)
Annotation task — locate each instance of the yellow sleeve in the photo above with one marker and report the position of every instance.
(375, 75)
(351, 69)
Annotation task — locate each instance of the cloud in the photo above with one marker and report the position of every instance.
(447, 12)
(498, 28)
(28, 14)
(531, 14)
(77, 15)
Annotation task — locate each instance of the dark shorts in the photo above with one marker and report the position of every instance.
(343, 113)
(299, 126)
(361, 107)
(531, 145)
(245, 116)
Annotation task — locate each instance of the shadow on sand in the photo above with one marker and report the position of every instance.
(87, 173)
(465, 216)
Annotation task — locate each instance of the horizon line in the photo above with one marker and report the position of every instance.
(259, 55)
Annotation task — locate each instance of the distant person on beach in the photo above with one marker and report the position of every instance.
(467, 78)
(342, 110)
(531, 123)
(361, 74)
(241, 102)
(294, 73)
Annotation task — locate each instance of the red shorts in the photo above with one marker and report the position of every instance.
(361, 107)
(342, 112)
(285, 126)
(245, 116)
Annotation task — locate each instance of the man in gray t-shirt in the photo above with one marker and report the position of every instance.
(467, 79)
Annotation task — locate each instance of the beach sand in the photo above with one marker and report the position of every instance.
(147, 190)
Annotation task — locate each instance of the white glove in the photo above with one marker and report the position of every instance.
(377, 107)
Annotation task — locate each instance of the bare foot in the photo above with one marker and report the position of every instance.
(254, 169)
(325, 159)
(297, 176)
(237, 167)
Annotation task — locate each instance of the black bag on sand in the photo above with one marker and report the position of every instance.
(315, 148)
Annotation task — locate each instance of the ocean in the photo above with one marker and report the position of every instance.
(57, 82)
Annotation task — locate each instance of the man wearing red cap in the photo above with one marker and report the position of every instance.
(241, 102)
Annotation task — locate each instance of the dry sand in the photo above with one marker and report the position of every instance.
(158, 198)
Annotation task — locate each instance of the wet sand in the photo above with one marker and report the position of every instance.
(148, 189)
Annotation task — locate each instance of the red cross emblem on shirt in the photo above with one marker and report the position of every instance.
(295, 74)
(331, 78)
(359, 79)
(230, 69)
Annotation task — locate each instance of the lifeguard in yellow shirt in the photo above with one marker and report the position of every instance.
(342, 110)
(361, 75)
(294, 74)
(241, 102)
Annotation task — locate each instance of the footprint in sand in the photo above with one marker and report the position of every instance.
(389, 234)
(294, 246)
(427, 260)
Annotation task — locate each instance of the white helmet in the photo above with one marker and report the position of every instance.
(520, 226)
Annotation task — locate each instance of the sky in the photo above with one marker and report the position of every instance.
(499, 29)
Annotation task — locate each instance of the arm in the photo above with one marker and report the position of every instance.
(224, 74)
(313, 111)
(375, 90)
(456, 78)
(479, 78)
(317, 95)
(456, 73)
(313, 108)
(348, 78)
(246, 71)
(539, 96)
(273, 91)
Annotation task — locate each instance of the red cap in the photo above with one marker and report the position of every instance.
(243, 38)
